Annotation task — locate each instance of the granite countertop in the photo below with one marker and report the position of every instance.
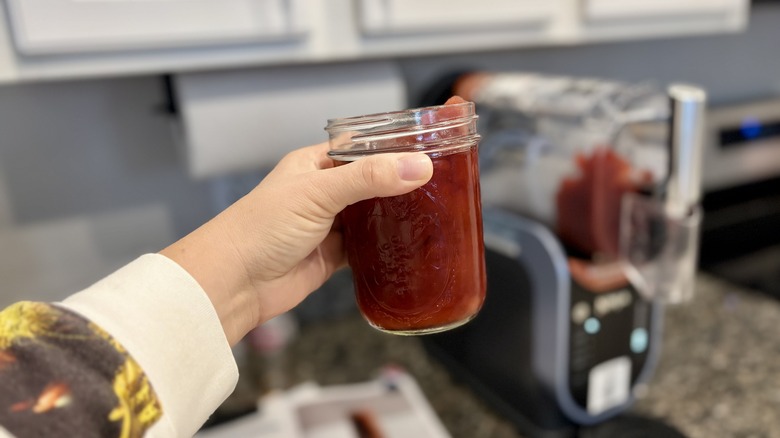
(719, 374)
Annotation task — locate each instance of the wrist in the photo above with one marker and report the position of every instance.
(210, 257)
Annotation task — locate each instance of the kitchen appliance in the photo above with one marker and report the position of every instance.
(590, 228)
(741, 186)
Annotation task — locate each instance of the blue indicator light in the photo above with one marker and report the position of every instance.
(592, 326)
(639, 340)
(750, 128)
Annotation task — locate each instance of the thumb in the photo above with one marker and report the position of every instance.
(378, 175)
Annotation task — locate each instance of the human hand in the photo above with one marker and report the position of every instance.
(264, 254)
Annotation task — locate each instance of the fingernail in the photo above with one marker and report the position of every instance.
(414, 167)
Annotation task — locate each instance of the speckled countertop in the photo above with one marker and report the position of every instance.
(719, 374)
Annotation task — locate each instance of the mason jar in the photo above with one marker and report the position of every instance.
(417, 259)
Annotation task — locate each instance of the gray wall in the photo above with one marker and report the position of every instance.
(90, 176)
(729, 66)
(77, 148)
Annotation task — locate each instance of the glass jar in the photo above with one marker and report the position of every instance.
(417, 259)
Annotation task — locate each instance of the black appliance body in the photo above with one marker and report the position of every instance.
(545, 352)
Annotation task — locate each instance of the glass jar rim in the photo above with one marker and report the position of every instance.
(440, 129)
(384, 118)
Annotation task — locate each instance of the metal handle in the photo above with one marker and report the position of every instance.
(686, 144)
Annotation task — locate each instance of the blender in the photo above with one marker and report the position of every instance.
(591, 191)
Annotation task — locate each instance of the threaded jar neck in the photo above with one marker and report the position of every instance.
(436, 130)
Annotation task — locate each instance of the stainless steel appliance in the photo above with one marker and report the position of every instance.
(740, 241)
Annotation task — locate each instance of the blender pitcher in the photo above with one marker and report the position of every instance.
(613, 169)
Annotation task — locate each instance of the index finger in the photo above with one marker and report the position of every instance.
(304, 160)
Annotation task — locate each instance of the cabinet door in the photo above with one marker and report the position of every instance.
(62, 26)
(596, 10)
(403, 16)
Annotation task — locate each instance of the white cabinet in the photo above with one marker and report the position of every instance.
(51, 39)
(61, 26)
(401, 16)
(619, 19)
(596, 10)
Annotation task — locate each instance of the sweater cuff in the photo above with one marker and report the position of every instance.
(167, 323)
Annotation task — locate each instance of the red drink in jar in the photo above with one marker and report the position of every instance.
(417, 259)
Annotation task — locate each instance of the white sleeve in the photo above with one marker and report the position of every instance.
(164, 319)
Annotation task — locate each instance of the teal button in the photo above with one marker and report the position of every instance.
(639, 340)
(592, 326)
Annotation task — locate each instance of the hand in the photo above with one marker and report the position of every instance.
(264, 254)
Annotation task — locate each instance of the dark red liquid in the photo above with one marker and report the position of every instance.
(589, 204)
(418, 259)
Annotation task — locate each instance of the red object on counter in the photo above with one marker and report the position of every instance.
(418, 259)
(589, 204)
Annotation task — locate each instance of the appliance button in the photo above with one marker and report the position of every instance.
(592, 326)
(580, 312)
(639, 340)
